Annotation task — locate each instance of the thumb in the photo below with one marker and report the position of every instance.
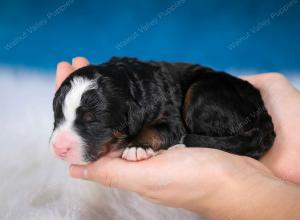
(113, 172)
(64, 69)
(78, 171)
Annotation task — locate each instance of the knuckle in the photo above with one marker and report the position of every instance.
(155, 189)
(149, 193)
(107, 178)
(276, 76)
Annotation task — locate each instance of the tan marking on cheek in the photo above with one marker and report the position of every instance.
(119, 136)
(112, 144)
(106, 147)
(149, 136)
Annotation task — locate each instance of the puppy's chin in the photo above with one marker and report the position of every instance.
(77, 162)
(115, 153)
(112, 154)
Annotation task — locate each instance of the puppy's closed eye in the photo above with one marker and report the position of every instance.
(88, 117)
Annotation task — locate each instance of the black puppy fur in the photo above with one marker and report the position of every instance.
(160, 104)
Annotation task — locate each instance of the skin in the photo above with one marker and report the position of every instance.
(282, 101)
(211, 182)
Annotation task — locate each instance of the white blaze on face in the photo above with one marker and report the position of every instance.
(65, 142)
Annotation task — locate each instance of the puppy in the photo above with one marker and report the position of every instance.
(137, 108)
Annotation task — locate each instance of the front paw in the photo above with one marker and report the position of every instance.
(133, 153)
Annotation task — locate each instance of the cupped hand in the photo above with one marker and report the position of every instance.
(190, 178)
(282, 101)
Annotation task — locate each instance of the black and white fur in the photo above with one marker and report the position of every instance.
(141, 107)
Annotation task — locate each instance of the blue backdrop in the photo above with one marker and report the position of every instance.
(250, 34)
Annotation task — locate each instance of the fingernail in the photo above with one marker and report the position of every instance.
(78, 172)
(74, 59)
(85, 173)
(62, 63)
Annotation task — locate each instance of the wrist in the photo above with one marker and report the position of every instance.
(252, 194)
(235, 193)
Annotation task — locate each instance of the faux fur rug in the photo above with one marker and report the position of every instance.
(34, 184)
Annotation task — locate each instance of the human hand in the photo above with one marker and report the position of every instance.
(64, 69)
(213, 183)
(197, 179)
(282, 101)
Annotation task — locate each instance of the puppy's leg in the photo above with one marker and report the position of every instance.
(159, 135)
(226, 113)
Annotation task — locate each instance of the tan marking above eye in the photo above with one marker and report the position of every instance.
(187, 100)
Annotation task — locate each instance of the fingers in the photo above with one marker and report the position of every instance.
(114, 172)
(255, 79)
(260, 80)
(79, 171)
(79, 62)
(64, 69)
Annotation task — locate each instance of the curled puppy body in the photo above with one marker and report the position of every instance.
(138, 108)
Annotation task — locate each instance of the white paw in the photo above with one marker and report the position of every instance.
(136, 154)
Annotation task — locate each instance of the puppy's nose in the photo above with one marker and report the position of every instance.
(65, 144)
(61, 150)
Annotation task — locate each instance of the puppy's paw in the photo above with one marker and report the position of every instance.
(137, 153)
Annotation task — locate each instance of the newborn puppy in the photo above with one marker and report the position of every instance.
(138, 108)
